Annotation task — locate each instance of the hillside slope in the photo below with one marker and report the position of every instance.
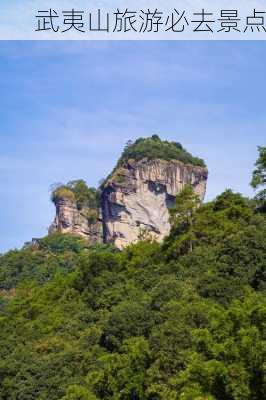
(181, 320)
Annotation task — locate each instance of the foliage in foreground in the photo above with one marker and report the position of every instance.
(179, 321)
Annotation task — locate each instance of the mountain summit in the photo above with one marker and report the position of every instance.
(134, 199)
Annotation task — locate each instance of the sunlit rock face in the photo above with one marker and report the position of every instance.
(69, 219)
(135, 201)
(136, 198)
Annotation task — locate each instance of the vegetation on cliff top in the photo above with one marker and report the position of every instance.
(181, 320)
(86, 198)
(155, 148)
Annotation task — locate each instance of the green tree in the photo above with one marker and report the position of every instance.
(76, 392)
(259, 174)
(76, 191)
(259, 177)
(182, 213)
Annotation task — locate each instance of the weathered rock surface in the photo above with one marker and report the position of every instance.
(69, 219)
(134, 202)
(135, 199)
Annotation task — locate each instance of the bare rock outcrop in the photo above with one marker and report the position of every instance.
(133, 202)
(69, 219)
(136, 198)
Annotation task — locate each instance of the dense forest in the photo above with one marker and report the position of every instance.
(179, 320)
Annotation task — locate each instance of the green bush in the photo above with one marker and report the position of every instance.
(155, 148)
(62, 242)
(91, 215)
(63, 192)
(78, 192)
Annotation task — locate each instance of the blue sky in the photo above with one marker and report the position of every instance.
(19, 20)
(68, 108)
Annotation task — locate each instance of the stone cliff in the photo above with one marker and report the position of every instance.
(69, 219)
(134, 200)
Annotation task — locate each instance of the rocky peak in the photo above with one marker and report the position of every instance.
(72, 217)
(135, 198)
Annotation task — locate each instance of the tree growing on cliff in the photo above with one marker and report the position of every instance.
(78, 192)
(259, 178)
(183, 211)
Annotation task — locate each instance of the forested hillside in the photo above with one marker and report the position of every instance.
(181, 320)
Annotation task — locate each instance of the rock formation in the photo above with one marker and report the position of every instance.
(134, 200)
(69, 219)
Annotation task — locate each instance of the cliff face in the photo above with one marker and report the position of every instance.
(134, 202)
(69, 219)
(136, 198)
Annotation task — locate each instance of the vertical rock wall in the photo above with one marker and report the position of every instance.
(136, 198)
(69, 219)
(134, 201)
